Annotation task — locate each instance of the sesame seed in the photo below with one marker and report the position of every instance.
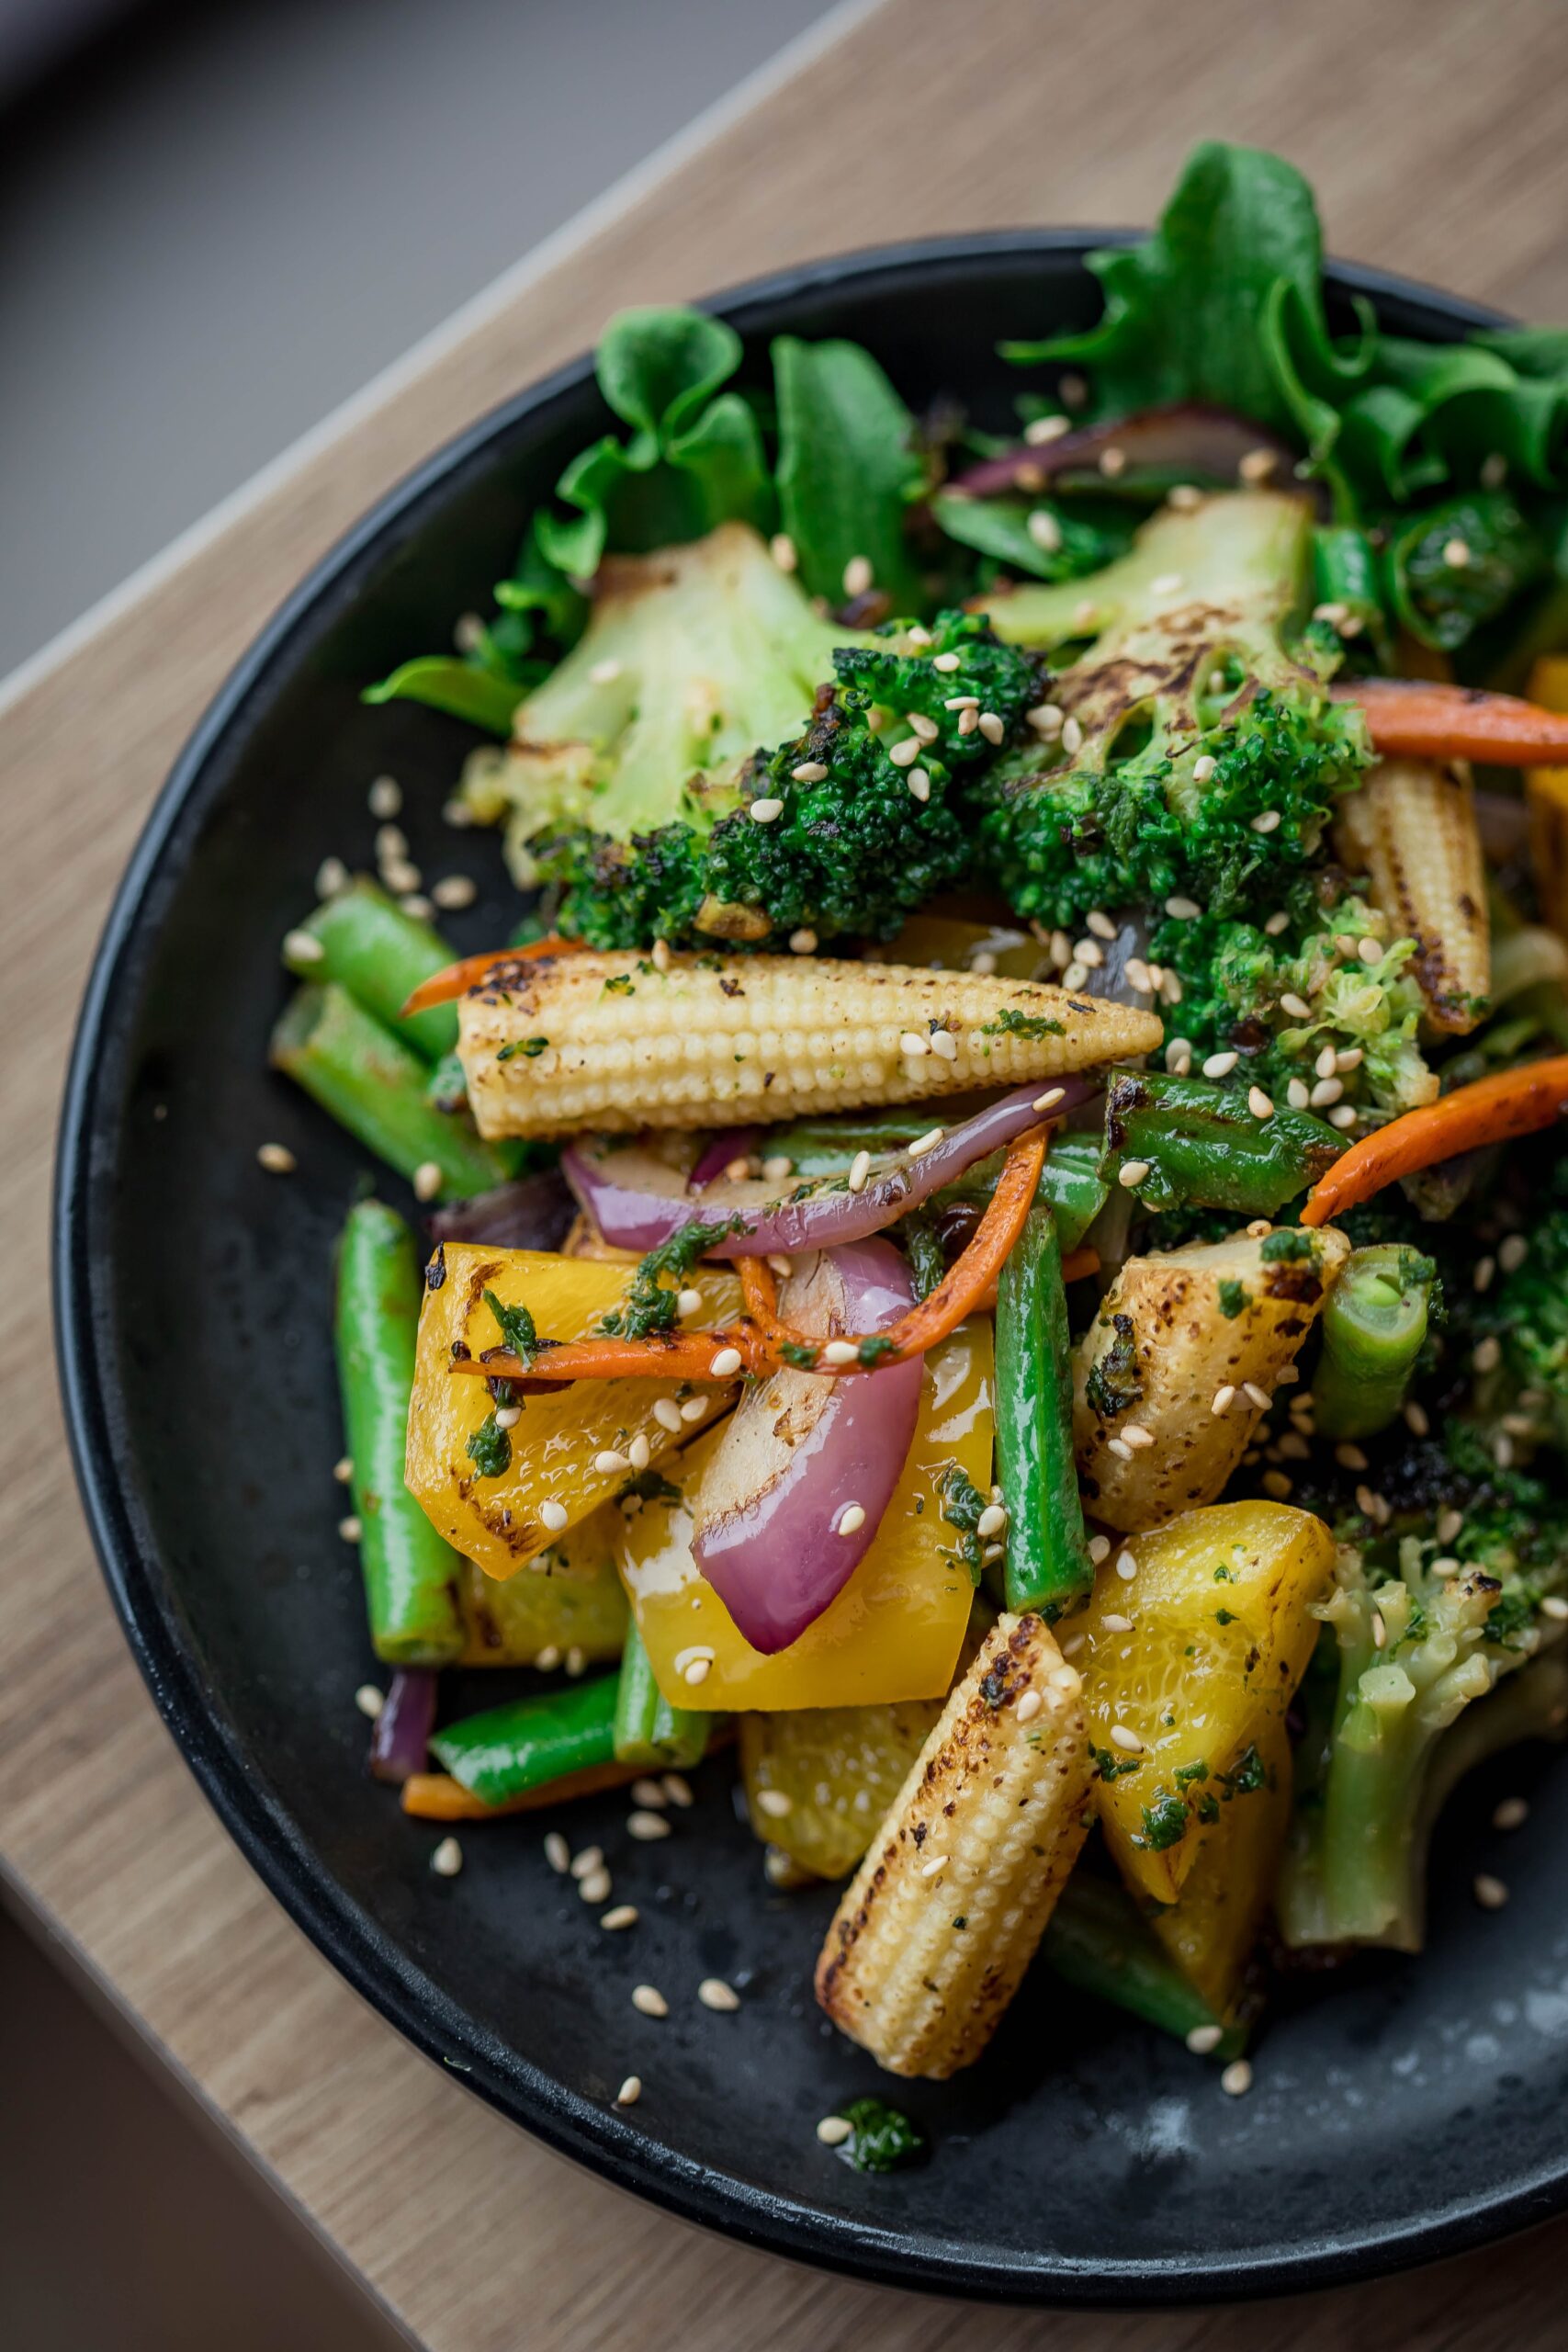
(1489, 1892)
(508, 1415)
(649, 2001)
(1089, 953)
(725, 1364)
(714, 1993)
(369, 1701)
(1298, 1094)
(851, 1519)
(969, 720)
(667, 1413)
(775, 1803)
(649, 1793)
(1258, 465)
(919, 784)
(918, 725)
(1071, 737)
(594, 1887)
(934, 1136)
(1256, 1395)
(1350, 1057)
(592, 1858)
(1111, 1623)
(1512, 1813)
(1449, 1525)
(1484, 1270)
(858, 575)
(1045, 530)
(860, 1168)
(332, 878)
(839, 1352)
(1220, 1065)
(400, 874)
(992, 726)
(946, 662)
(1503, 1451)
(1350, 1457)
(905, 754)
(1296, 1006)
(1488, 1354)
(459, 814)
(814, 770)
(1126, 1567)
(1098, 1548)
(918, 636)
(1266, 821)
(1049, 1100)
(1456, 554)
(1112, 461)
(1258, 1103)
(803, 942)
(1204, 2038)
(693, 1409)
(991, 1522)
(351, 1528)
(781, 548)
(1184, 496)
(1099, 922)
(1276, 1483)
(428, 1180)
(1555, 1607)
(639, 1453)
(698, 1671)
(1041, 429)
(385, 796)
(766, 811)
(1335, 613)
(687, 1302)
(302, 947)
(1120, 1448)
(277, 1158)
(558, 1853)
(1512, 1253)
(1046, 718)
(412, 903)
(646, 1827)
(610, 1464)
(1277, 923)
(1075, 975)
(1124, 1737)
(1343, 1116)
(1415, 1420)
(1181, 909)
(629, 2092)
(1223, 1397)
(553, 1516)
(1179, 1056)
(1028, 1707)
(1135, 1434)
(677, 1789)
(455, 891)
(1258, 1228)
(1327, 1090)
(834, 2130)
(913, 1044)
(447, 1858)
(1132, 1174)
(1236, 2079)
(1369, 950)
(933, 1865)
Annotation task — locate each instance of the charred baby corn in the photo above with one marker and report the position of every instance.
(944, 1915)
(1164, 1378)
(552, 1044)
(1412, 828)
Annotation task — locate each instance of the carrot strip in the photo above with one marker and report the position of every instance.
(1413, 719)
(1514, 1103)
(436, 1796)
(763, 1340)
(456, 979)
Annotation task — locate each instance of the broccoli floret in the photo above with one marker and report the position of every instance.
(635, 780)
(1413, 1648)
(1198, 755)
(1527, 1312)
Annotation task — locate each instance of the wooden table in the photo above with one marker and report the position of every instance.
(1435, 131)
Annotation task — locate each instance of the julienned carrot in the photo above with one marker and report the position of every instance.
(436, 1796)
(457, 980)
(761, 1340)
(1515, 1102)
(958, 1294)
(1416, 718)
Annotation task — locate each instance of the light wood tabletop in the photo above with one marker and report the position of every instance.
(1435, 131)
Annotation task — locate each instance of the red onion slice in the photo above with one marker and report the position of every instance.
(730, 1143)
(638, 1200)
(803, 1455)
(401, 1742)
(1186, 441)
(532, 1213)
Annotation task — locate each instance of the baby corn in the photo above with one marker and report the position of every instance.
(616, 1041)
(1164, 1378)
(944, 1915)
(1412, 828)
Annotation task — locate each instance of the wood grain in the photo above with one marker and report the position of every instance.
(1435, 131)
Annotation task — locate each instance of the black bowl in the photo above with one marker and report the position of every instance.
(1408, 2109)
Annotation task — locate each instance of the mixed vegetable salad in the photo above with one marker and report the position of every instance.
(999, 1225)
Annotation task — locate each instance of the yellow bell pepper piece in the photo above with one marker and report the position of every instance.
(896, 1629)
(556, 1443)
(570, 1600)
(1212, 1930)
(1186, 1662)
(819, 1779)
(1546, 791)
(944, 943)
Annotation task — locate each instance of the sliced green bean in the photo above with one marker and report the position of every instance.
(510, 1750)
(1047, 1550)
(1097, 1942)
(411, 1576)
(1203, 1147)
(375, 1087)
(379, 954)
(647, 1729)
(1375, 1325)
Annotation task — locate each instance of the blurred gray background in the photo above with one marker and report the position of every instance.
(217, 221)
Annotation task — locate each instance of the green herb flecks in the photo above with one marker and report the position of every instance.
(490, 1448)
(650, 1306)
(882, 2138)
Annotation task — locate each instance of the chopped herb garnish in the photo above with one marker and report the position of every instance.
(530, 1048)
(621, 985)
(649, 1302)
(1234, 1299)
(517, 1330)
(882, 2137)
(1114, 1384)
(1108, 1765)
(1287, 1247)
(1164, 1822)
(873, 1348)
(962, 1503)
(490, 1448)
(1011, 1023)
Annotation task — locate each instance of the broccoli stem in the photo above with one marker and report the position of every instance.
(1375, 1325)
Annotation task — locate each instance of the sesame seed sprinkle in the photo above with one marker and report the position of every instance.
(447, 1858)
(1220, 1065)
(1124, 1736)
(1223, 1397)
(1132, 1174)
(781, 548)
(1126, 1567)
(860, 1168)
(1490, 1892)
(1266, 821)
(553, 1515)
(369, 1700)
(647, 1827)
(725, 1364)
(1204, 2038)
(766, 811)
(834, 2130)
(649, 2001)
(946, 662)
(349, 1529)
(629, 2092)
(714, 1993)
(1236, 2080)
(277, 1158)
(1049, 1100)
(851, 1519)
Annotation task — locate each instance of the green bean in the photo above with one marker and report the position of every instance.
(1375, 1325)
(1203, 1147)
(648, 1730)
(411, 1576)
(379, 954)
(1097, 1942)
(521, 1745)
(375, 1086)
(1047, 1551)
(1345, 573)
